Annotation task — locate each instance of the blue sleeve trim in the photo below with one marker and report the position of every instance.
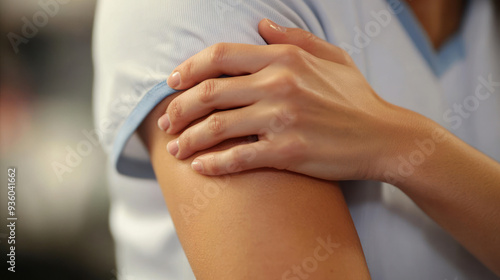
(130, 166)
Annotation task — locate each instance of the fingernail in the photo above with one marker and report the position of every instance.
(174, 80)
(173, 147)
(275, 26)
(164, 122)
(197, 166)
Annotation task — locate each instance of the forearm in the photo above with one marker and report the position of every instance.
(456, 185)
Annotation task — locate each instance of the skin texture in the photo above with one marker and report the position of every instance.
(326, 107)
(459, 188)
(260, 224)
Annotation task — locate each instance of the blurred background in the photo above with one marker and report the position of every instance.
(46, 127)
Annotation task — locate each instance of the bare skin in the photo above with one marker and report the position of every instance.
(260, 224)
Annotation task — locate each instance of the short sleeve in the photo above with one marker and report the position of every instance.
(137, 45)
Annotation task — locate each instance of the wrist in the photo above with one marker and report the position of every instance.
(411, 140)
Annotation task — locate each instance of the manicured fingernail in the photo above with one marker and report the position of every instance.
(197, 166)
(174, 80)
(275, 26)
(173, 147)
(164, 122)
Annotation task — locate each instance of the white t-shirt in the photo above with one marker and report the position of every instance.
(136, 46)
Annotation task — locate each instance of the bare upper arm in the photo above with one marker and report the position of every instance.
(262, 224)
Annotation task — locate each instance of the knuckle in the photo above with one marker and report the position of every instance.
(218, 52)
(345, 57)
(207, 91)
(211, 165)
(237, 158)
(187, 69)
(287, 114)
(185, 141)
(175, 109)
(291, 54)
(310, 40)
(283, 118)
(291, 50)
(284, 83)
(215, 124)
(293, 148)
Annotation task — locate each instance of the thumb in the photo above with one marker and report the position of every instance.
(277, 34)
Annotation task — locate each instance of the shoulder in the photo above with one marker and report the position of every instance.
(137, 44)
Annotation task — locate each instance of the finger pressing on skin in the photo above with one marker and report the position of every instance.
(217, 128)
(236, 159)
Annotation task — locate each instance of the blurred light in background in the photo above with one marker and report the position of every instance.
(45, 119)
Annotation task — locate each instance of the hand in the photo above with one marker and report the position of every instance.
(311, 109)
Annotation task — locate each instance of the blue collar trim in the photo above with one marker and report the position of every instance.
(439, 61)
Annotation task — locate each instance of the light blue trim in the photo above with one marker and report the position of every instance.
(129, 166)
(451, 52)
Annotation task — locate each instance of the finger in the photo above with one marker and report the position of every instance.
(207, 96)
(215, 129)
(236, 159)
(276, 34)
(214, 61)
